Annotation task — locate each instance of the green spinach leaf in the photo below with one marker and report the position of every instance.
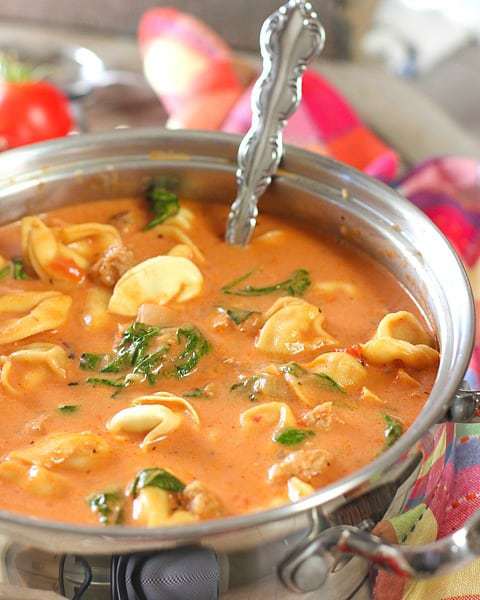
(155, 477)
(108, 506)
(18, 270)
(163, 203)
(90, 361)
(196, 346)
(116, 383)
(67, 409)
(292, 436)
(328, 382)
(5, 271)
(250, 386)
(393, 430)
(322, 379)
(132, 348)
(295, 285)
(199, 392)
(238, 315)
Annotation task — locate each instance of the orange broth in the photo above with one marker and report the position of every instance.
(232, 461)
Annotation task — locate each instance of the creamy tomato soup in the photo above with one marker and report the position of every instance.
(153, 375)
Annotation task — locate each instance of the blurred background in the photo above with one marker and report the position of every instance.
(402, 64)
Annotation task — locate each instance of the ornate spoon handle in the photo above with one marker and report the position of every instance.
(289, 40)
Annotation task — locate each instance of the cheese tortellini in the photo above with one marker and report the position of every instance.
(95, 309)
(379, 351)
(42, 311)
(298, 489)
(34, 468)
(153, 507)
(148, 414)
(402, 325)
(183, 219)
(88, 240)
(32, 478)
(272, 414)
(175, 233)
(39, 357)
(155, 420)
(157, 280)
(174, 228)
(368, 396)
(342, 367)
(331, 289)
(64, 253)
(293, 325)
(400, 336)
(72, 451)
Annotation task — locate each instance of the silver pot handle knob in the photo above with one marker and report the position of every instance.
(307, 567)
(289, 40)
(464, 406)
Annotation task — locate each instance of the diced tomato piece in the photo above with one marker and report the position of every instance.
(355, 351)
(67, 269)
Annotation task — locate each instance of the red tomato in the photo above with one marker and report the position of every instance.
(31, 111)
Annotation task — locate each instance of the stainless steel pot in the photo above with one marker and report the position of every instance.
(295, 548)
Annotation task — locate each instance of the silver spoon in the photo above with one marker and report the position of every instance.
(289, 40)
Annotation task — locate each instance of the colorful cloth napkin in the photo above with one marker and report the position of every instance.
(202, 86)
(447, 490)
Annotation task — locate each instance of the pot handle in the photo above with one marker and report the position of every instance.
(307, 568)
(465, 405)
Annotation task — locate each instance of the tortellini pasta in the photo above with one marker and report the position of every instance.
(272, 414)
(183, 219)
(157, 280)
(153, 507)
(182, 250)
(304, 388)
(293, 325)
(40, 247)
(44, 311)
(148, 414)
(400, 336)
(155, 420)
(369, 396)
(403, 325)
(73, 451)
(95, 310)
(379, 351)
(175, 233)
(298, 489)
(167, 398)
(64, 253)
(174, 228)
(32, 468)
(406, 379)
(32, 478)
(41, 355)
(331, 289)
(342, 367)
(88, 240)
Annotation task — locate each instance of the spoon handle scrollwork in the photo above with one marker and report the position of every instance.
(289, 40)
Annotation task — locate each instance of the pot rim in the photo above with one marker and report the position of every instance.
(181, 533)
